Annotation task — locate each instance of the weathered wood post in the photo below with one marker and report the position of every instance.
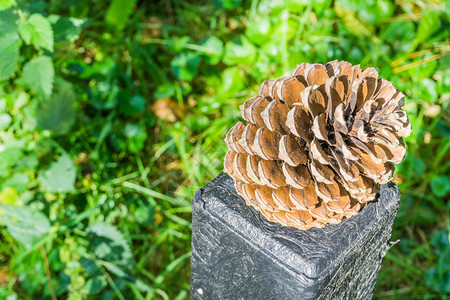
(315, 157)
(238, 254)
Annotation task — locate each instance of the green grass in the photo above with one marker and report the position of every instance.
(113, 113)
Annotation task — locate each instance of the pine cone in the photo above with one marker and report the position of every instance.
(317, 144)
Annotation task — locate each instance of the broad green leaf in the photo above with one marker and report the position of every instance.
(262, 66)
(440, 186)
(104, 94)
(95, 285)
(239, 51)
(384, 9)
(66, 29)
(258, 31)
(24, 224)
(5, 4)
(11, 152)
(284, 29)
(165, 90)
(353, 5)
(368, 11)
(298, 5)
(9, 195)
(9, 55)
(438, 278)
(227, 4)
(231, 82)
(144, 215)
(441, 242)
(272, 48)
(60, 177)
(215, 49)
(136, 136)
(185, 65)
(108, 243)
(131, 105)
(372, 12)
(38, 74)
(5, 120)
(57, 113)
(274, 6)
(37, 31)
(118, 12)
(8, 21)
(18, 181)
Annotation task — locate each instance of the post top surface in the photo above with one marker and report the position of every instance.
(310, 253)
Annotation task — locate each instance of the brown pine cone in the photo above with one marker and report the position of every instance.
(317, 144)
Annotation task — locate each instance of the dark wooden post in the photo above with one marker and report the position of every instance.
(237, 254)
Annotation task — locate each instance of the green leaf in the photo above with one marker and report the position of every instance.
(165, 90)
(95, 285)
(232, 82)
(118, 12)
(5, 120)
(9, 55)
(108, 243)
(352, 5)
(66, 29)
(131, 105)
(60, 177)
(37, 31)
(441, 242)
(9, 195)
(298, 5)
(372, 11)
(262, 66)
(440, 186)
(5, 4)
(38, 75)
(185, 65)
(284, 29)
(239, 51)
(215, 49)
(11, 152)
(226, 4)
(258, 31)
(57, 113)
(25, 225)
(384, 9)
(136, 136)
(19, 181)
(8, 20)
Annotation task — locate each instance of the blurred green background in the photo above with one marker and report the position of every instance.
(112, 114)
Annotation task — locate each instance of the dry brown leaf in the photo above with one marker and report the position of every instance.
(166, 109)
(4, 276)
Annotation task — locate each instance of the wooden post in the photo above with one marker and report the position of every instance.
(238, 254)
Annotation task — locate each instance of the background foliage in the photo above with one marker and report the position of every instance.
(112, 113)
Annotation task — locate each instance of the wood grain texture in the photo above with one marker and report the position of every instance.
(239, 254)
